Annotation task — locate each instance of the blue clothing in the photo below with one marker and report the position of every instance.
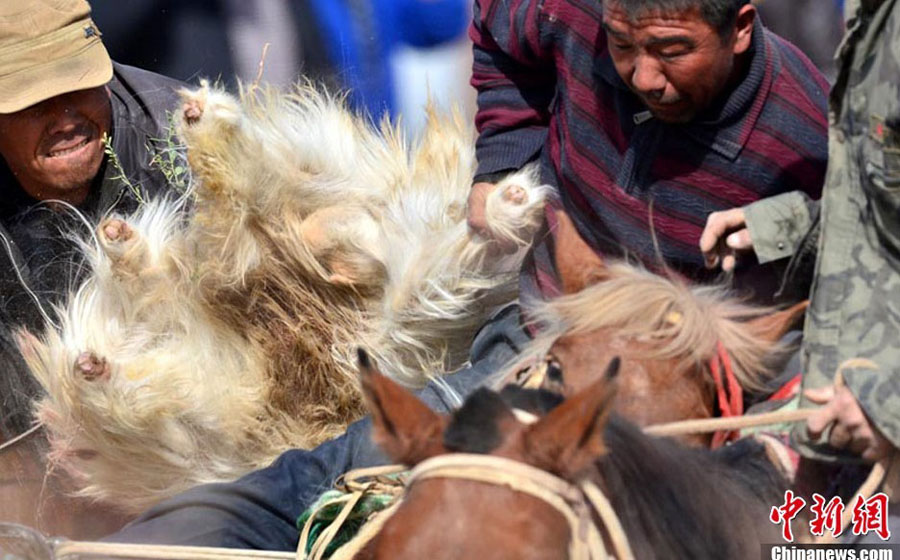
(360, 36)
(344, 44)
(260, 510)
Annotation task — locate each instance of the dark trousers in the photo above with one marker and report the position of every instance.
(260, 510)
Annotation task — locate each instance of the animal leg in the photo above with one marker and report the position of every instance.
(209, 124)
(124, 246)
(92, 367)
(514, 194)
(514, 210)
(346, 243)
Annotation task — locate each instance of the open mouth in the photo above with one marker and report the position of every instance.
(62, 152)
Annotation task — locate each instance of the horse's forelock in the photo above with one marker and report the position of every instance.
(475, 426)
(682, 322)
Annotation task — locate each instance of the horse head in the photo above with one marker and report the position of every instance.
(670, 336)
(462, 517)
(573, 481)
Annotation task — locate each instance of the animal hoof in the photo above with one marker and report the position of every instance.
(192, 110)
(91, 366)
(514, 194)
(116, 230)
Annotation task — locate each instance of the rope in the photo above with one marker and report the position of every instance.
(610, 520)
(570, 501)
(81, 550)
(706, 425)
(867, 488)
(21, 437)
(353, 482)
(366, 534)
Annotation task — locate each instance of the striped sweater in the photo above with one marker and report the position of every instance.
(548, 91)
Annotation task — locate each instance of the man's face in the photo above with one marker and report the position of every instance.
(54, 148)
(676, 62)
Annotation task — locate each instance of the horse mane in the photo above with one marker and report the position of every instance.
(679, 322)
(652, 484)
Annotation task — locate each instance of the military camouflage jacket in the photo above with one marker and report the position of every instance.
(855, 303)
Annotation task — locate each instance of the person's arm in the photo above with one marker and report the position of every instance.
(778, 224)
(773, 228)
(515, 78)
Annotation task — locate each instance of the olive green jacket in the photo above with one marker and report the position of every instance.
(855, 302)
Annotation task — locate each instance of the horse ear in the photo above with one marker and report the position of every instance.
(578, 265)
(406, 430)
(774, 326)
(570, 437)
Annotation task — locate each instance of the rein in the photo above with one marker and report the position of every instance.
(730, 396)
(574, 503)
(7, 445)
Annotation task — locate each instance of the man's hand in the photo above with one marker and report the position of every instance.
(477, 219)
(716, 247)
(851, 428)
(475, 207)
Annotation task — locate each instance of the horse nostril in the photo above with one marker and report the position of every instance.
(522, 375)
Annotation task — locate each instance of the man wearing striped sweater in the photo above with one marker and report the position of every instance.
(647, 115)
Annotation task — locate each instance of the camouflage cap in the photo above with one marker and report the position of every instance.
(47, 48)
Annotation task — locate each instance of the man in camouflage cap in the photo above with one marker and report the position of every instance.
(853, 323)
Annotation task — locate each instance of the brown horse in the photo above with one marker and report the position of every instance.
(671, 501)
(672, 337)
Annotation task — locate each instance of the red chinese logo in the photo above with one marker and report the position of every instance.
(827, 515)
(786, 513)
(871, 515)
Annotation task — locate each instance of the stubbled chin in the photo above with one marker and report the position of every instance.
(674, 116)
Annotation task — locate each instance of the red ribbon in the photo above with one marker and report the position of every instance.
(729, 393)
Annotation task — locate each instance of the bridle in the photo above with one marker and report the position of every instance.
(729, 394)
(12, 442)
(575, 503)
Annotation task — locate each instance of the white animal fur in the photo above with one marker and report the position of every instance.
(227, 331)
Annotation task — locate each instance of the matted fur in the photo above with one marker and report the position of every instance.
(209, 339)
(683, 322)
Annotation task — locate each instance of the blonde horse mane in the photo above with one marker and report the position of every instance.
(682, 323)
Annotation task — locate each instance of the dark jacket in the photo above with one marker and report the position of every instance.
(36, 249)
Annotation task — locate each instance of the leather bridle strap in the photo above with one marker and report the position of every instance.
(573, 503)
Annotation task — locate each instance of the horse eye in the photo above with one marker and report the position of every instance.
(554, 371)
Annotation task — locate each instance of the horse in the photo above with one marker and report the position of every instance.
(486, 485)
(674, 339)
(217, 329)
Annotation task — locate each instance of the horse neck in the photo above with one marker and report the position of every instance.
(654, 487)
